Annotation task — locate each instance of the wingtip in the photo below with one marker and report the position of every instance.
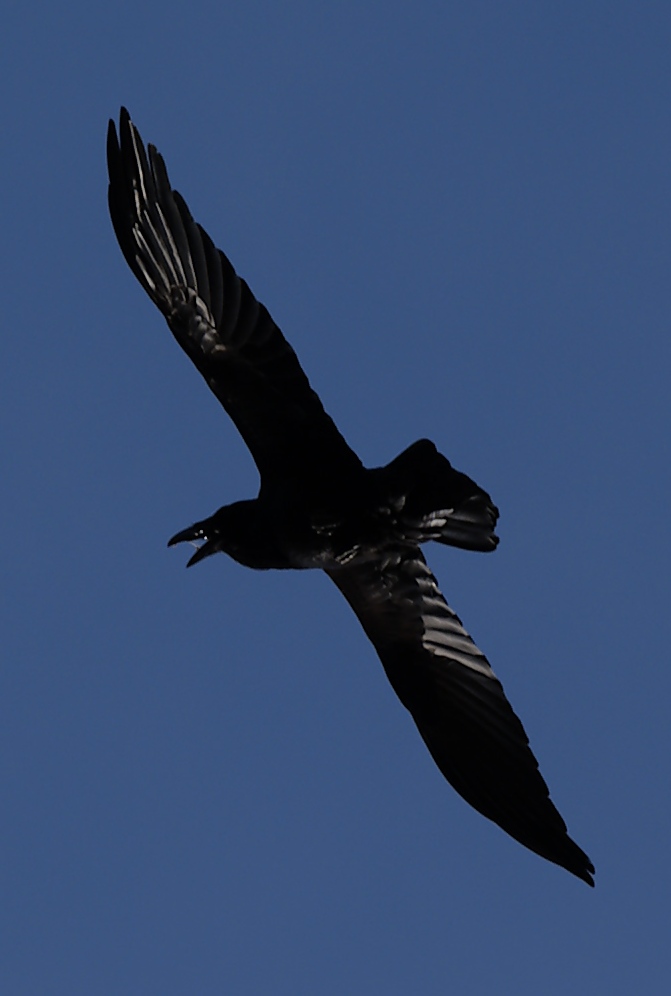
(585, 876)
(124, 121)
(580, 864)
(112, 144)
(585, 872)
(571, 857)
(588, 874)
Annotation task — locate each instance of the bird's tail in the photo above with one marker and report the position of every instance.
(430, 500)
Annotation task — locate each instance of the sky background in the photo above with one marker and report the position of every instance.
(459, 215)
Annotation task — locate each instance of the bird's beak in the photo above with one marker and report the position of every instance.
(206, 550)
(190, 535)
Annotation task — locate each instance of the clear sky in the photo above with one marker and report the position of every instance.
(459, 215)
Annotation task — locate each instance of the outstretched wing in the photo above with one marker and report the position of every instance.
(457, 702)
(216, 319)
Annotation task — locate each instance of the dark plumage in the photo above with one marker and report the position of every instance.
(319, 507)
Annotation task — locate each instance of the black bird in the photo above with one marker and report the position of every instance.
(318, 506)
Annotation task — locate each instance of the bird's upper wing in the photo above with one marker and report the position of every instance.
(216, 319)
(457, 702)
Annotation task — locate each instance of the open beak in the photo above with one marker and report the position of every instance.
(190, 535)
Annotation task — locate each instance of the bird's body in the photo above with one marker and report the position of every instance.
(319, 507)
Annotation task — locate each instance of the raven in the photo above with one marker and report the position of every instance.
(319, 507)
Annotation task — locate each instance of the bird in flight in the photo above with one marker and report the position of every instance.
(319, 507)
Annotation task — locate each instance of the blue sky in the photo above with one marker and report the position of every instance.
(459, 216)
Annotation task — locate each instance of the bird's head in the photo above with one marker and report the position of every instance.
(239, 530)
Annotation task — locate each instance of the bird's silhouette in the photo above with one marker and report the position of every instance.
(318, 507)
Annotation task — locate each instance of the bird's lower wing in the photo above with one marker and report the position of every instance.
(226, 332)
(457, 702)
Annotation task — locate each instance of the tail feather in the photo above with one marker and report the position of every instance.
(433, 501)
